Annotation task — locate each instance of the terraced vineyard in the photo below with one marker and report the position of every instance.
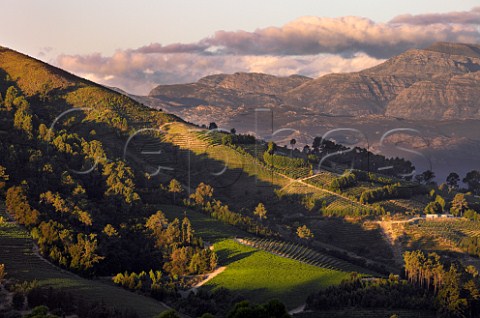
(329, 199)
(256, 150)
(322, 179)
(302, 254)
(445, 233)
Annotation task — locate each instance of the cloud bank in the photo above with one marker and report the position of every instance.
(310, 46)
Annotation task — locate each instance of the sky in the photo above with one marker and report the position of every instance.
(136, 45)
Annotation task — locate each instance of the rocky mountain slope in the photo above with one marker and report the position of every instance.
(438, 82)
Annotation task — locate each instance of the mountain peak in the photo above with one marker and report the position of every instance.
(464, 49)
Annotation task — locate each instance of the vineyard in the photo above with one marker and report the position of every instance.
(259, 276)
(301, 253)
(330, 201)
(363, 239)
(446, 234)
(322, 179)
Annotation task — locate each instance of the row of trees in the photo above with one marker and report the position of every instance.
(379, 293)
(456, 289)
(391, 191)
(187, 254)
(203, 199)
(471, 179)
(279, 161)
(232, 139)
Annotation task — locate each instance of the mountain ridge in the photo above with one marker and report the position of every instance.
(439, 80)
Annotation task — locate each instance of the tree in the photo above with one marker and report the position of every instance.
(433, 208)
(459, 204)
(472, 179)
(110, 231)
(452, 181)
(42, 131)
(227, 140)
(187, 231)
(449, 295)
(10, 96)
(306, 149)
(304, 232)
(212, 126)
(440, 201)
(213, 262)
(272, 147)
(119, 179)
(18, 207)
(173, 233)
(260, 211)
(23, 121)
(83, 252)
(317, 141)
(178, 266)
(419, 178)
(202, 194)
(428, 176)
(2, 272)
(21, 103)
(293, 142)
(3, 177)
(175, 187)
(157, 224)
(233, 131)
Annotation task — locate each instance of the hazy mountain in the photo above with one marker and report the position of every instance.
(426, 88)
(438, 82)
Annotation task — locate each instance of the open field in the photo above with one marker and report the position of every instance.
(260, 276)
(302, 254)
(23, 264)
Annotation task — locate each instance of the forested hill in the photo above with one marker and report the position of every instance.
(58, 90)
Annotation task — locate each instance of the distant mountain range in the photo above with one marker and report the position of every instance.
(439, 82)
(435, 90)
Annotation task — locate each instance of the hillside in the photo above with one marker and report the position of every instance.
(88, 173)
(112, 190)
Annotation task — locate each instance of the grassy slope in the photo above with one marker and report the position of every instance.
(209, 229)
(22, 263)
(260, 276)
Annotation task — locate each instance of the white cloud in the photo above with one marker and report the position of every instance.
(310, 46)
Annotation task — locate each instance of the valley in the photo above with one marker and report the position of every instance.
(120, 209)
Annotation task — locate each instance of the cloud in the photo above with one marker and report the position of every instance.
(310, 46)
(139, 73)
(464, 17)
(344, 35)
